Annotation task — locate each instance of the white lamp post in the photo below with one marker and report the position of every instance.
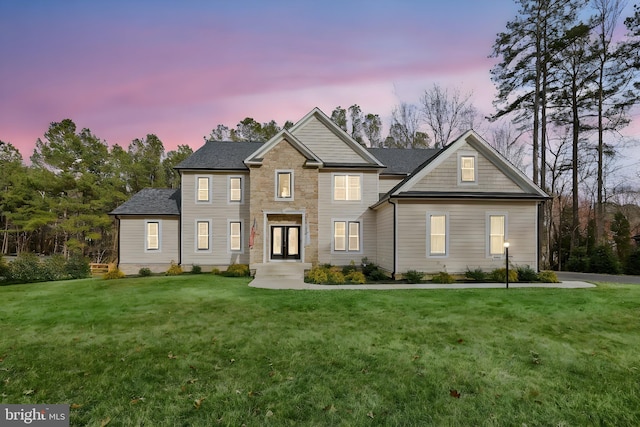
(506, 253)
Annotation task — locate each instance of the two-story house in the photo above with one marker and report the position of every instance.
(312, 195)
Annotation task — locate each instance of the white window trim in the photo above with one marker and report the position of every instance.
(284, 199)
(488, 232)
(446, 235)
(195, 234)
(235, 202)
(333, 187)
(197, 185)
(146, 236)
(333, 236)
(475, 168)
(242, 233)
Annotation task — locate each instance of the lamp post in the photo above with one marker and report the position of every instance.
(506, 253)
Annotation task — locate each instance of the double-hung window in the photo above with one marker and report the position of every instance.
(437, 239)
(467, 169)
(346, 236)
(203, 189)
(235, 189)
(202, 240)
(235, 236)
(497, 231)
(347, 187)
(153, 236)
(284, 185)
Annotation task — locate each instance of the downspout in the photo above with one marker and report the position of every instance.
(395, 238)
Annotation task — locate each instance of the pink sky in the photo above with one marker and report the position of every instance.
(125, 69)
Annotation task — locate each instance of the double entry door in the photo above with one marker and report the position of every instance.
(285, 242)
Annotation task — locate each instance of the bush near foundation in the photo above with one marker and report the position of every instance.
(413, 276)
(478, 275)
(500, 275)
(114, 274)
(443, 277)
(237, 270)
(548, 276)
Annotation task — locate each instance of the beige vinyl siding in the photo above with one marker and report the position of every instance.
(133, 244)
(325, 144)
(330, 210)
(219, 212)
(384, 230)
(445, 176)
(387, 183)
(468, 235)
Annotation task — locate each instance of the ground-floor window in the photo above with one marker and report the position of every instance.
(235, 236)
(202, 229)
(437, 231)
(346, 236)
(497, 231)
(153, 236)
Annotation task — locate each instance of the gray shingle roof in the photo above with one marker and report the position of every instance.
(225, 155)
(218, 155)
(402, 160)
(151, 201)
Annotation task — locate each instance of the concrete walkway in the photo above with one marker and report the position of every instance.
(272, 283)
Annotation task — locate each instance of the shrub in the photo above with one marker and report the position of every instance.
(317, 275)
(144, 272)
(413, 276)
(77, 267)
(347, 269)
(113, 274)
(356, 277)
(335, 276)
(27, 268)
(578, 260)
(526, 274)
(500, 275)
(55, 267)
(196, 269)
(174, 270)
(443, 277)
(215, 271)
(478, 275)
(632, 266)
(371, 271)
(603, 260)
(4, 270)
(548, 276)
(237, 270)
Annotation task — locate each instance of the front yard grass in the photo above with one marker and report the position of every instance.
(203, 350)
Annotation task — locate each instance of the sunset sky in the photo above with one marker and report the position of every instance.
(128, 68)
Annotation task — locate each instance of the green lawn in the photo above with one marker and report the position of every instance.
(205, 350)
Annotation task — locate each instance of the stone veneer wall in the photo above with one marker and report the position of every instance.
(305, 197)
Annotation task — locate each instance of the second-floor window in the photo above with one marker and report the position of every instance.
(468, 170)
(284, 185)
(347, 187)
(203, 189)
(235, 189)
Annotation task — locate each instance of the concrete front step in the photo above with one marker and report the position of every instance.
(281, 270)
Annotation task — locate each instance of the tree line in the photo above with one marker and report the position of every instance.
(566, 84)
(568, 76)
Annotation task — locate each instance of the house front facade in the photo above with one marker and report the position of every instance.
(312, 195)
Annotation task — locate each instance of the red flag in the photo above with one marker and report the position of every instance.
(252, 236)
